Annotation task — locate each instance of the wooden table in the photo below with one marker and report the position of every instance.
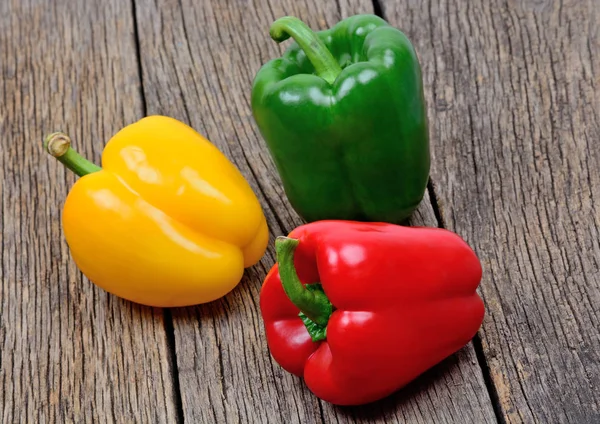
(513, 89)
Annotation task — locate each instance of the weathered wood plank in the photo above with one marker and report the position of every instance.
(68, 351)
(513, 89)
(198, 61)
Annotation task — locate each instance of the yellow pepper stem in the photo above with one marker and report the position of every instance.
(58, 144)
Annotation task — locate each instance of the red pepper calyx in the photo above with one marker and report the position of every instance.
(315, 307)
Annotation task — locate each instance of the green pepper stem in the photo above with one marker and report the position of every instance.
(325, 64)
(314, 304)
(58, 144)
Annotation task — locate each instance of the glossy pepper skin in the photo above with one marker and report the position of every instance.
(401, 299)
(167, 221)
(344, 117)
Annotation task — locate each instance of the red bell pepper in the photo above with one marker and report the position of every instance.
(361, 309)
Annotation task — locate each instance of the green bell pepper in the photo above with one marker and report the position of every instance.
(344, 118)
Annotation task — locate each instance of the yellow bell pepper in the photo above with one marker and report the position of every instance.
(167, 220)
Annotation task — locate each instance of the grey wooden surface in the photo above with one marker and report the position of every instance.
(513, 88)
(513, 105)
(68, 351)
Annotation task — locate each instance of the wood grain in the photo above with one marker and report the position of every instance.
(198, 61)
(68, 351)
(514, 95)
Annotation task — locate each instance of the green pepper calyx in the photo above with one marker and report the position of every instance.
(321, 58)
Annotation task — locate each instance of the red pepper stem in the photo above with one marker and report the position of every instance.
(58, 144)
(321, 58)
(314, 304)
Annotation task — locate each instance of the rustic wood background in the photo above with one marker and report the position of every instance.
(513, 89)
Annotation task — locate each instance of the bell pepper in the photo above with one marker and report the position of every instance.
(361, 309)
(344, 118)
(167, 220)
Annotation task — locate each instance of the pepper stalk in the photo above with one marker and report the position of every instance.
(315, 307)
(58, 144)
(321, 58)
